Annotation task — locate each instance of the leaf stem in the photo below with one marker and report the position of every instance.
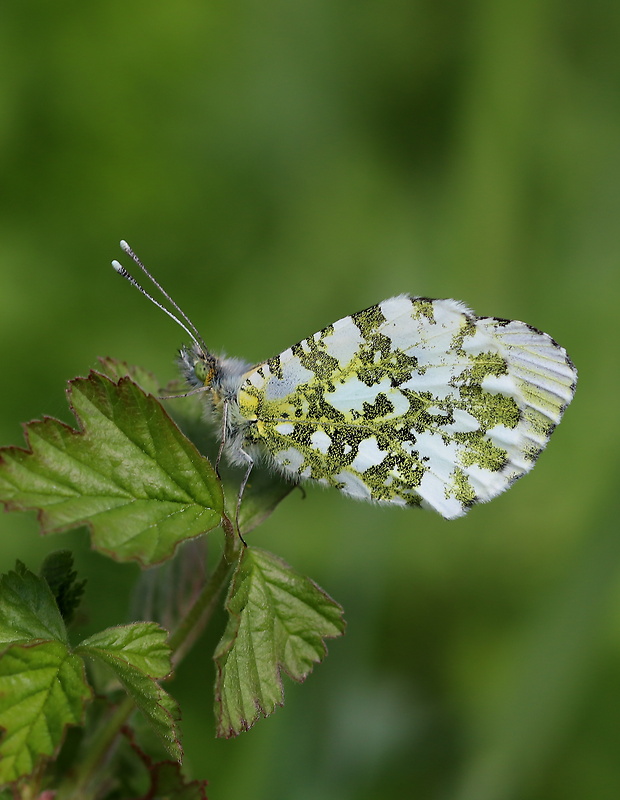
(180, 642)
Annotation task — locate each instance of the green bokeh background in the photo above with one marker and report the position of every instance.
(280, 165)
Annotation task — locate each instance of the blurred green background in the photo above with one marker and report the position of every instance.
(279, 165)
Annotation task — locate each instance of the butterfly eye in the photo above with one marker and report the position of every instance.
(201, 371)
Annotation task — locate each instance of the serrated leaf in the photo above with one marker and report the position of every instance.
(277, 622)
(42, 691)
(57, 569)
(42, 684)
(139, 656)
(129, 473)
(27, 608)
(140, 645)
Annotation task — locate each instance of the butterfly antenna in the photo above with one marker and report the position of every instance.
(127, 249)
(192, 331)
(123, 272)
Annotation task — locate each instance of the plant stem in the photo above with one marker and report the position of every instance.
(76, 787)
(200, 613)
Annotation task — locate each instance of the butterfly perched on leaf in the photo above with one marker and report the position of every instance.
(413, 402)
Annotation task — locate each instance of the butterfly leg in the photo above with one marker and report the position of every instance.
(246, 477)
(222, 439)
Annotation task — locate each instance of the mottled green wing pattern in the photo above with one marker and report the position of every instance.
(413, 402)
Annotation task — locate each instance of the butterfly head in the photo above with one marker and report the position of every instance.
(199, 368)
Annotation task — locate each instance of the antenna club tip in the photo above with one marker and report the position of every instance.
(125, 246)
(118, 267)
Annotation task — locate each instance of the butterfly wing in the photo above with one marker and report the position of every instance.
(412, 402)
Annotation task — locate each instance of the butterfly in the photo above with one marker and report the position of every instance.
(411, 402)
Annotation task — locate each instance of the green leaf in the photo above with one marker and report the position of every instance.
(42, 690)
(139, 656)
(57, 569)
(129, 473)
(277, 622)
(28, 609)
(42, 684)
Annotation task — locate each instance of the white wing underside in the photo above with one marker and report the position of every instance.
(455, 381)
